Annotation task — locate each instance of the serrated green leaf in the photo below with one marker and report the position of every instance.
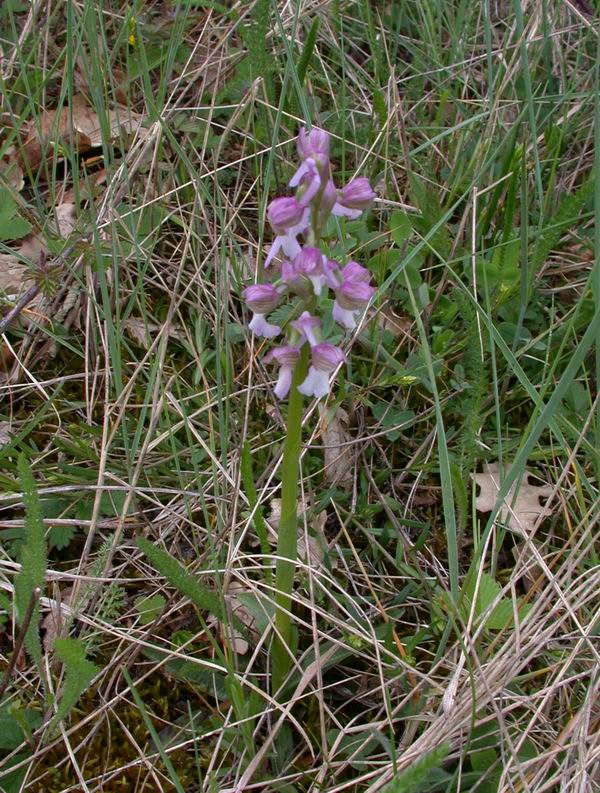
(59, 537)
(282, 314)
(503, 613)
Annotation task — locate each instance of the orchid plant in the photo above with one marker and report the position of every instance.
(303, 271)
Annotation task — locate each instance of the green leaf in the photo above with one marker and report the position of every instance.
(12, 782)
(414, 778)
(502, 615)
(428, 202)
(79, 673)
(565, 216)
(149, 608)
(389, 417)
(12, 226)
(309, 45)
(16, 725)
(33, 559)
(400, 227)
(483, 759)
(210, 681)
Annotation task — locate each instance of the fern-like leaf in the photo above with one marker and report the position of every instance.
(79, 673)
(567, 212)
(33, 559)
(183, 581)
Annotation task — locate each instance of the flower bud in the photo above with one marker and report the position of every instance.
(313, 144)
(328, 199)
(309, 261)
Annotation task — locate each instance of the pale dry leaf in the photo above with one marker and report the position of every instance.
(239, 610)
(53, 621)
(144, 333)
(397, 325)
(13, 276)
(77, 123)
(316, 544)
(65, 218)
(31, 247)
(4, 433)
(339, 454)
(520, 513)
(10, 171)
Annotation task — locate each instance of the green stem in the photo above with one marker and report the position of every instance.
(287, 540)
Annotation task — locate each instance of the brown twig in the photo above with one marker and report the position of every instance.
(14, 312)
(35, 596)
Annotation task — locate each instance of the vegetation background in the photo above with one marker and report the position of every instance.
(446, 603)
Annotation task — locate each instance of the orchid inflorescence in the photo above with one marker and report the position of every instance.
(306, 271)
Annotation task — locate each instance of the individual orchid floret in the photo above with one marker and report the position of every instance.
(309, 263)
(314, 144)
(261, 300)
(354, 198)
(308, 178)
(326, 358)
(288, 219)
(350, 298)
(287, 358)
(305, 325)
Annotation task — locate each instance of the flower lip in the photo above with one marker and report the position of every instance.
(284, 213)
(316, 384)
(261, 298)
(344, 316)
(261, 327)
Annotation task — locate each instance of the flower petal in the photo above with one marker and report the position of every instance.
(261, 327)
(344, 316)
(316, 383)
(284, 381)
